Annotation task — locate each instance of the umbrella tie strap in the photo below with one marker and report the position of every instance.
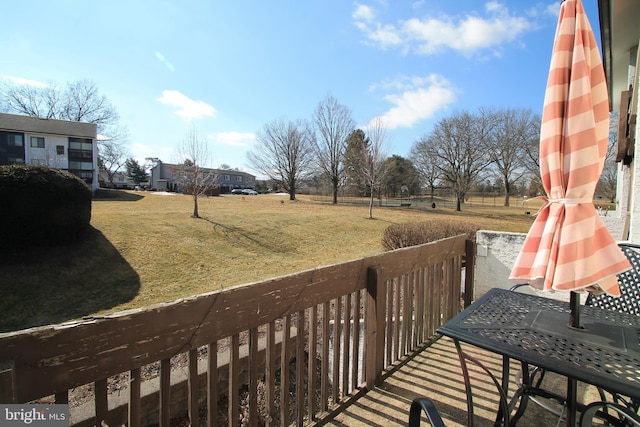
(564, 201)
(570, 201)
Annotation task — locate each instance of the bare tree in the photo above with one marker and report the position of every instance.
(509, 132)
(192, 175)
(374, 163)
(425, 162)
(608, 183)
(30, 100)
(284, 153)
(458, 146)
(79, 101)
(112, 152)
(333, 123)
(531, 155)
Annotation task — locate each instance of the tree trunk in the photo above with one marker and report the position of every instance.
(371, 206)
(507, 190)
(292, 194)
(458, 204)
(195, 206)
(335, 193)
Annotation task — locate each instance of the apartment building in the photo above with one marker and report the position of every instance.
(62, 144)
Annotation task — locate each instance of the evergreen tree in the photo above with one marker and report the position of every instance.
(402, 178)
(135, 171)
(355, 159)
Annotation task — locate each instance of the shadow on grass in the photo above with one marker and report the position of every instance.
(231, 233)
(47, 286)
(112, 195)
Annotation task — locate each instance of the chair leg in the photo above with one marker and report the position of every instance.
(599, 410)
(426, 405)
(504, 404)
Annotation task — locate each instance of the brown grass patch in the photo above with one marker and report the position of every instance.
(146, 248)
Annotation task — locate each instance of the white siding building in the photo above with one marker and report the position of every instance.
(61, 144)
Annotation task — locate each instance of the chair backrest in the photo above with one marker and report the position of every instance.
(629, 281)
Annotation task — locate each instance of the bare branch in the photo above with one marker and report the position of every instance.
(374, 164)
(511, 133)
(283, 152)
(192, 175)
(333, 123)
(112, 152)
(457, 147)
(79, 101)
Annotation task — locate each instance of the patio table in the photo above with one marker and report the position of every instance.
(534, 330)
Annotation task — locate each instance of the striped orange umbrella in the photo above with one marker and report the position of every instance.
(568, 246)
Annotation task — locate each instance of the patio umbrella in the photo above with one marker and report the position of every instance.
(568, 247)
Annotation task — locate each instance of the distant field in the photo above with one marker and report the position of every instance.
(145, 249)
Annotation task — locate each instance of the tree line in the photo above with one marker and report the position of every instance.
(457, 154)
(460, 153)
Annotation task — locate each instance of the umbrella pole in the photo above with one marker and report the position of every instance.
(574, 306)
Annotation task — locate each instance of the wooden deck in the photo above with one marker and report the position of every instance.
(435, 373)
(351, 323)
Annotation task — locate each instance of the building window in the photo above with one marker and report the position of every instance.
(37, 142)
(15, 140)
(86, 175)
(60, 150)
(80, 149)
(239, 178)
(12, 160)
(227, 178)
(87, 166)
(38, 162)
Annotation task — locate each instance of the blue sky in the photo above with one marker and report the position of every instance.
(229, 67)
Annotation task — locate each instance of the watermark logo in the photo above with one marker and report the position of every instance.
(34, 415)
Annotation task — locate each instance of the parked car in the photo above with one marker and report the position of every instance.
(249, 192)
(237, 191)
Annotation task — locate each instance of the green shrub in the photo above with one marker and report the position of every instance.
(416, 233)
(41, 206)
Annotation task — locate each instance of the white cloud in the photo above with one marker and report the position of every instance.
(493, 6)
(162, 59)
(187, 107)
(385, 36)
(419, 99)
(429, 35)
(23, 81)
(237, 139)
(363, 13)
(553, 9)
(544, 10)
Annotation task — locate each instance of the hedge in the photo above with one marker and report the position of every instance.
(416, 233)
(41, 206)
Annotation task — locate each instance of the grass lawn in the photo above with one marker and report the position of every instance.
(145, 248)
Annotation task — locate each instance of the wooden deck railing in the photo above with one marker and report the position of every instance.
(347, 324)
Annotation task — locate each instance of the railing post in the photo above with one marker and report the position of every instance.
(376, 296)
(470, 267)
(8, 392)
